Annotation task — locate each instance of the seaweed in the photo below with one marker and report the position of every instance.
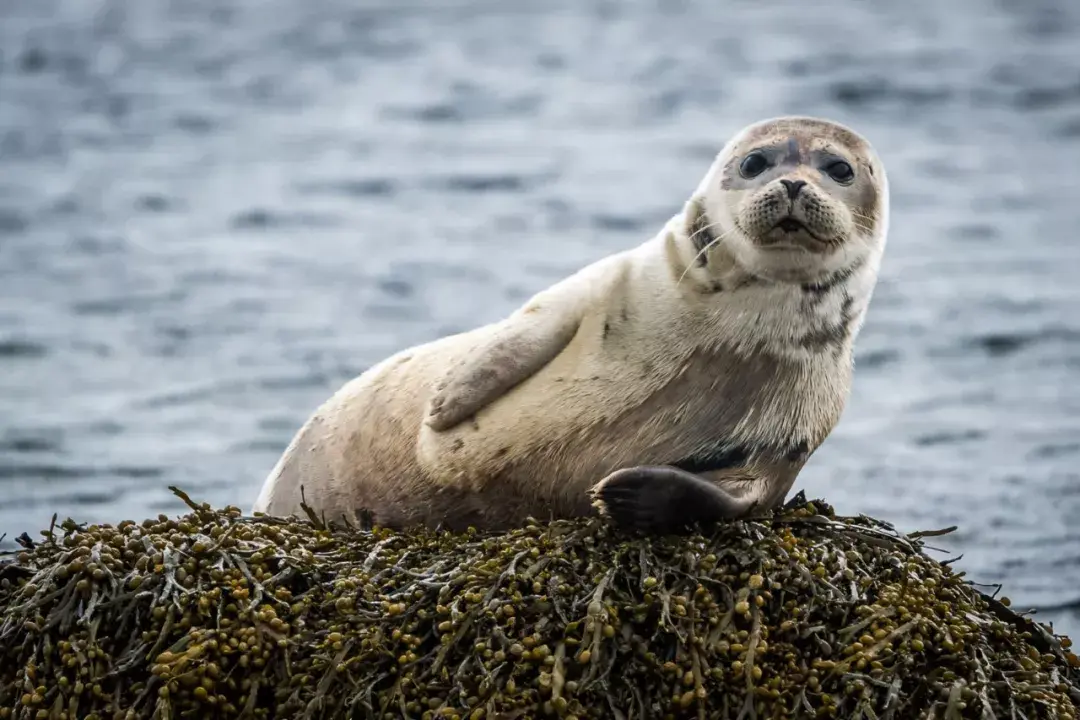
(797, 613)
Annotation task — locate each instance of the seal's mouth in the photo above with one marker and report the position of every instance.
(791, 233)
(791, 225)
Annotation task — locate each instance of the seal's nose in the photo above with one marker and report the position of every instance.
(793, 187)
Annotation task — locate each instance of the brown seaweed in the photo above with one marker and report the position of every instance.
(800, 613)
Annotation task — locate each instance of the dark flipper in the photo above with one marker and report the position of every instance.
(660, 498)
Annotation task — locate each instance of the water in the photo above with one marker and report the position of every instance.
(212, 214)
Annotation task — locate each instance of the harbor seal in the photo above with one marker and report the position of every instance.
(685, 380)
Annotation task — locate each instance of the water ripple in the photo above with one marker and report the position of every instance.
(213, 214)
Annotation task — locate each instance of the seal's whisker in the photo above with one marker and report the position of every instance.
(703, 250)
(863, 216)
(705, 228)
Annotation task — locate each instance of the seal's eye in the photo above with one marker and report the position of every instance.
(840, 171)
(753, 165)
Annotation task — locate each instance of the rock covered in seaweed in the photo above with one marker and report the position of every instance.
(799, 614)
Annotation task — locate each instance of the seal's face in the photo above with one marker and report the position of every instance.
(796, 197)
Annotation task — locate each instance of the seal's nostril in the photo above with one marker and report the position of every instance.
(793, 187)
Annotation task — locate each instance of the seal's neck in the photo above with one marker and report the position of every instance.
(697, 256)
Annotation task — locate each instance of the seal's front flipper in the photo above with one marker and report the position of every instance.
(527, 341)
(663, 499)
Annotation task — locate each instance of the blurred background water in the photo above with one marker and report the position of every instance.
(215, 212)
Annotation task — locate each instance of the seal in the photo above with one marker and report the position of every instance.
(683, 381)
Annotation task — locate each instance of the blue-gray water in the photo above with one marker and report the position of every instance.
(214, 213)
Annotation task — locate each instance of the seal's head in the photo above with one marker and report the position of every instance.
(793, 199)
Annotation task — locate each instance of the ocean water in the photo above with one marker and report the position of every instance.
(214, 213)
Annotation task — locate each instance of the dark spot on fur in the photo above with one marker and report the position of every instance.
(822, 338)
(482, 375)
(607, 330)
(833, 335)
(624, 315)
(475, 425)
(458, 444)
(819, 289)
(727, 177)
(845, 309)
(794, 154)
(502, 452)
(721, 456)
(747, 280)
(697, 228)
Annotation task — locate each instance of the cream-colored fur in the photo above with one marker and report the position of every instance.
(648, 356)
